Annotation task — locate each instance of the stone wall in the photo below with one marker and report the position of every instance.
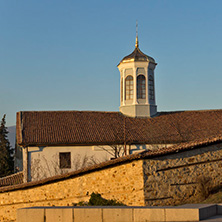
(177, 178)
(122, 182)
(136, 180)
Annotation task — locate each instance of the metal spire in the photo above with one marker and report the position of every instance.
(137, 41)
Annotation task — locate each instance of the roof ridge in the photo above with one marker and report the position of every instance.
(54, 111)
(96, 111)
(198, 110)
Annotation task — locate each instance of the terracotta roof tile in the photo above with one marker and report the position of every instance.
(88, 127)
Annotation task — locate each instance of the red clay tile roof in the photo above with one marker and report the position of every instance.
(88, 127)
(181, 147)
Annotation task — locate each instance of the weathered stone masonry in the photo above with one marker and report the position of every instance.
(124, 183)
(169, 176)
(173, 179)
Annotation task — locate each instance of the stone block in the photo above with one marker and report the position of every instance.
(191, 212)
(219, 209)
(87, 214)
(181, 214)
(118, 214)
(144, 214)
(59, 214)
(33, 214)
(208, 210)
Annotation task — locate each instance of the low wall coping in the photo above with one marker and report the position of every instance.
(189, 212)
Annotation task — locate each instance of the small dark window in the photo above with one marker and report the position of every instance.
(65, 160)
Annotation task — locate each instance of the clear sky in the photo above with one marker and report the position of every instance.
(63, 55)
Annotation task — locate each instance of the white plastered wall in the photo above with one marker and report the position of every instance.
(44, 161)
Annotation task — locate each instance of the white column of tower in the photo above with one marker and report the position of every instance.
(124, 96)
(134, 86)
(147, 85)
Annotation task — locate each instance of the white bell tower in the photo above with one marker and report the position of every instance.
(137, 91)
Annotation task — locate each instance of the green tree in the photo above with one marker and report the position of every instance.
(6, 152)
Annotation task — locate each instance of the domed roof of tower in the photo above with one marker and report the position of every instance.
(137, 55)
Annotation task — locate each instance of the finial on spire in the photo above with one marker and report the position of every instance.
(137, 41)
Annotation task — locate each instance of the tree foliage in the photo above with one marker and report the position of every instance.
(97, 200)
(6, 152)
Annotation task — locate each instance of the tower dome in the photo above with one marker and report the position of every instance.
(137, 55)
(137, 92)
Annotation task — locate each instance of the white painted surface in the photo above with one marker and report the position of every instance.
(44, 161)
(137, 107)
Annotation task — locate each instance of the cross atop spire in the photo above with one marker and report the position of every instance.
(137, 41)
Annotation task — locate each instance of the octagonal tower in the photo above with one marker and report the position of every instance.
(137, 91)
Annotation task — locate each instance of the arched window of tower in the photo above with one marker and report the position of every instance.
(151, 87)
(129, 87)
(141, 87)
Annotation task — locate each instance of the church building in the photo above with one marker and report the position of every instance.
(53, 142)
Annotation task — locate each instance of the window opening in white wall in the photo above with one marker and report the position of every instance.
(65, 160)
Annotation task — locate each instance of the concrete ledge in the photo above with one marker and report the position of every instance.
(87, 214)
(207, 211)
(58, 214)
(182, 214)
(219, 209)
(122, 214)
(144, 214)
(33, 214)
(189, 212)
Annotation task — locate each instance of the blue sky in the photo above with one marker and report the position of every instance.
(63, 55)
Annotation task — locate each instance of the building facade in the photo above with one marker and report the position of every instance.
(55, 142)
